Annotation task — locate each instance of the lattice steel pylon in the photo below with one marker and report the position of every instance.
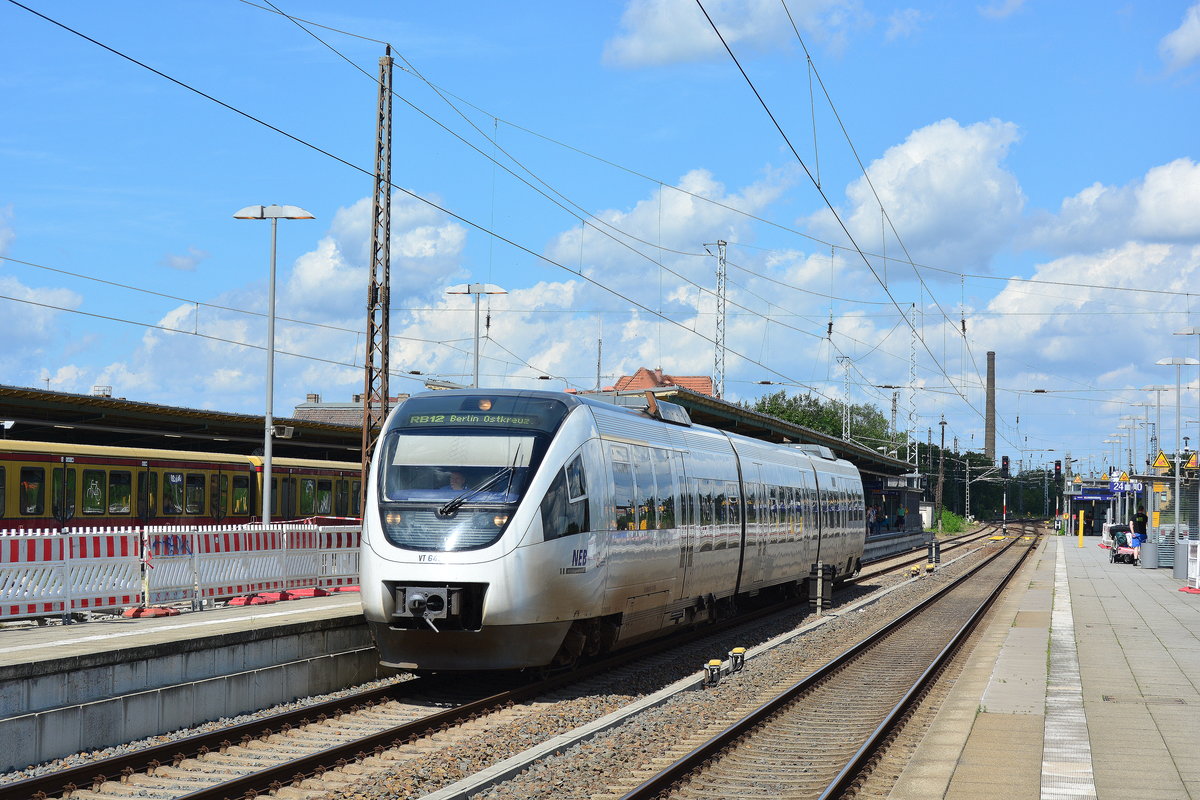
(375, 363)
(719, 355)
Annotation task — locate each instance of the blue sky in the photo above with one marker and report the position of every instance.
(1004, 140)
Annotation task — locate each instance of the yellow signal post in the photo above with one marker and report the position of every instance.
(1081, 529)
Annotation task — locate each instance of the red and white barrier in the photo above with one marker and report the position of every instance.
(58, 573)
(44, 573)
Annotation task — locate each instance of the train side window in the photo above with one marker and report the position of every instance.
(33, 490)
(2, 486)
(172, 493)
(623, 504)
(643, 473)
(59, 493)
(241, 495)
(355, 498)
(664, 478)
(325, 497)
(120, 490)
(563, 511)
(308, 496)
(194, 494)
(93, 491)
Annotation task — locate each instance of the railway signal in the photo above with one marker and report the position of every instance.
(1004, 467)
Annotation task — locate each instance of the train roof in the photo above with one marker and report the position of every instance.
(684, 407)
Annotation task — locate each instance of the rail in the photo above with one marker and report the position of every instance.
(671, 776)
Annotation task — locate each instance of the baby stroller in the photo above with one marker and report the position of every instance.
(1121, 551)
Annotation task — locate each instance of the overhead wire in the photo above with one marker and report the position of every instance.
(466, 221)
(820, 191)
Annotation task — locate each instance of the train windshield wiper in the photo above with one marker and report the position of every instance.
(457, 502)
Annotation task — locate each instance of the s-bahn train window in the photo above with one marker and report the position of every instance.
(194, 494)
(120, 490)
(172, 496)
(308, 496)
(62, 497)
(1, 490)
(324, 497)
(33, 490)
(565, 507)
(355, 498)
(93, 491)
(241, 495)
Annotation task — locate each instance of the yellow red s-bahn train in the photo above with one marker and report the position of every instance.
(53, 485)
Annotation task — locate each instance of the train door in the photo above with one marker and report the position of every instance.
(287, 498)
(756, 533)
(62, 492)
(687, 526)
(147, 493)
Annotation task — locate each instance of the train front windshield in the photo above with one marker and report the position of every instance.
(454, 467)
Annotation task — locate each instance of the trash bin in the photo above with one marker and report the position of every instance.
(1149, 555)
(1180, 569)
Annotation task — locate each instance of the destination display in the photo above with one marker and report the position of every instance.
(475, 418)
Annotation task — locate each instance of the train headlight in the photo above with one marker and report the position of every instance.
(393, 518)
(500, 520)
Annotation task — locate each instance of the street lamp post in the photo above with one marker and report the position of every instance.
(476, 289)
(1158, 390)
(1194, 332)
(273, 213)
(1112, 500)
(1178, 362)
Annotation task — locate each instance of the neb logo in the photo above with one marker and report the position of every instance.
(579, 558)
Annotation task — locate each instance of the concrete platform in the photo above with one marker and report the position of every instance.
(64, 688)
(1086, 684)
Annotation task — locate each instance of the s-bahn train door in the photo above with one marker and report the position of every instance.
(147, 493)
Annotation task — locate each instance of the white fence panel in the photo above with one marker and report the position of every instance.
(44, 573)
(171, 565)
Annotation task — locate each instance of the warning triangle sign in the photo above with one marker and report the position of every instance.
(1161, 462)
(1191, 462)
(1078, 479)
(1124, 477)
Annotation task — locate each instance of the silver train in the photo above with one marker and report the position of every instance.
(511, 529)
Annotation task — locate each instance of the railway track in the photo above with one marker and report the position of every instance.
(814, 738)
(320, 748)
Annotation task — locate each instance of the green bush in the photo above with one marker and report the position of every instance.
(952, 523)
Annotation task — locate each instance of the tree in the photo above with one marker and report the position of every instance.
(868, 425)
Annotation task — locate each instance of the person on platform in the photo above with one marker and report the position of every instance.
(871, 513)
(1138, 525)
(901, 512)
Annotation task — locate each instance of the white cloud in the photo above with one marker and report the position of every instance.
(658, 32)
(184, 263)
(1052, 330)
(1001, 9)
(1181, 46)
(1163, 206)
(945, 190)
(904, 23)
